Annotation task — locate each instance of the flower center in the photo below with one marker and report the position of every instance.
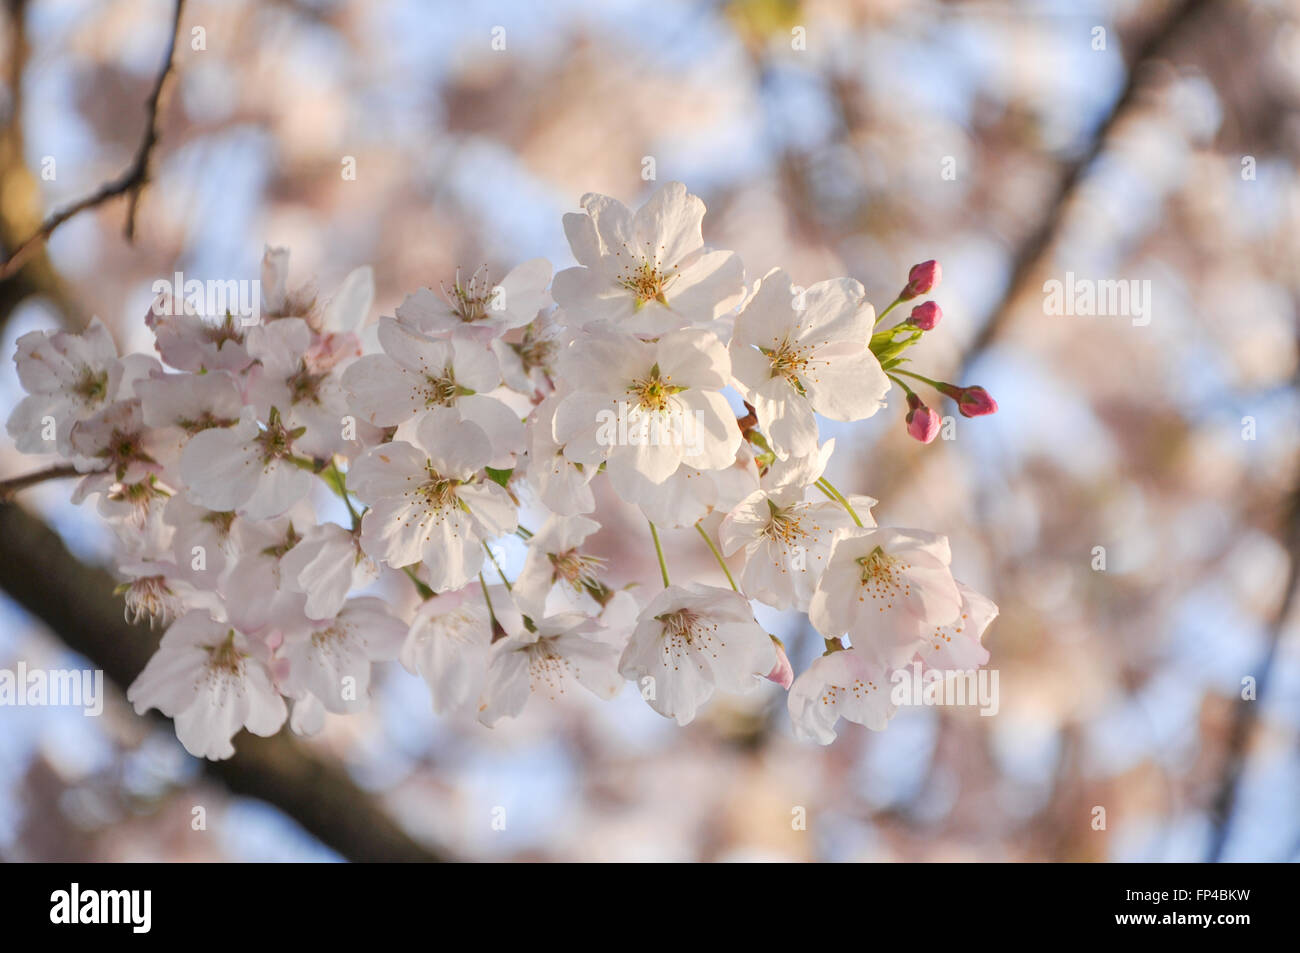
(686, 629)
(92, 385)
(790, 361)
(534, 352)
(653, 390)
(783, 525)
(438, 492)
(470, 302)
(442, 391)
(573, 568)
(547, 668)
(150, 598)
(224, 658)
(859, 689)
(221, 521)
(275, 440)
(884, 578)
(647, 282)
(304, 385)
(219, 334)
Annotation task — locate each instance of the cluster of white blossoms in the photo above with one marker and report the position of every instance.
(438, 427)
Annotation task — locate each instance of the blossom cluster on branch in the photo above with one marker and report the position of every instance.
(437, 427)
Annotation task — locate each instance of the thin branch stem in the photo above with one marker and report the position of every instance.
(716, 555)
(500, 572)
(659, 551)
(11, 486)
(827, 487)
(130, 183)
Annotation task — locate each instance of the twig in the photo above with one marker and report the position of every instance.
(11, 486)
(130, 183)
(1031, 252)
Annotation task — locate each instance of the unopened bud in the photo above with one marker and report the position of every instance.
(921, 279)
(922, 422)
(925, 316)
(971, 401)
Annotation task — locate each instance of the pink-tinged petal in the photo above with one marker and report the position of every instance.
(782, 672)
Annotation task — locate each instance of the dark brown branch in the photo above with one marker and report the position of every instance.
(11, 486)
(75, 600)
(130, 183)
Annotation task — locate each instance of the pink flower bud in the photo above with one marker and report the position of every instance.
(922, 422)
(971, 401)
(925, 316)
(921, 279)
(976, 402)
(782, 672)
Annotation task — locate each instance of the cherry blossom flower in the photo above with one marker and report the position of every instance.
(786, 538)
(527, 356)
(646, 272)
(188, 342)
(449, 649)
(212, 679)
(330, 659)
(305, 395)
(68, 378)
(267, 589)
(478, 304)
(250, 467)
(563, 486)
(847, 684)
(956, 646)
(885, 588)
(325, 565)
(190, 402)
(416, 373)
(546, 656)
(793, 357)
(429, 501)
(645, 408)
(117, 441)
(554, 558)
(690, 640)
(278, 299)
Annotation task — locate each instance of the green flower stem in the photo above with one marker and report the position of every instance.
(827, 487)
(903, 384)
(892, 305)
(659, 551)
(924, 380)
(500, 572)
(488, 599)
(420, 587)
(337, 482)
(716, 555)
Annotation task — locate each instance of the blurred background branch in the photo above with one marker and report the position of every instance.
(76, 601)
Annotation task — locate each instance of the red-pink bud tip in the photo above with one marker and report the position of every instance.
(976, 402)
(921, 279)
(926, 316)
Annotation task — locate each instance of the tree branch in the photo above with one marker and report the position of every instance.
(1030, 254)
(130, 183)
(11, 486)
(76, 602)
